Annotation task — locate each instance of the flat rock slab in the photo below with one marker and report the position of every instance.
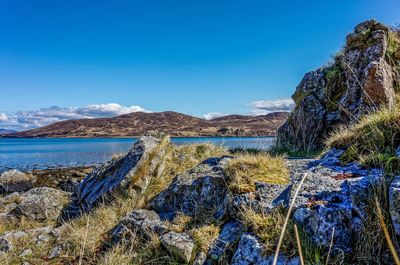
(114, 176)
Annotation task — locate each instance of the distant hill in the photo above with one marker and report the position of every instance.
(6, 131)
(172, 123)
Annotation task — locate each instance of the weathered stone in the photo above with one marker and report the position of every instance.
(69, 185)
(144, 222)
(200, 258)
(198, 192)
(179, 244)
(15, 181)
(116, 176)
(334, 196)
(265, 198)
(40, 204)
(357, 82)
(250, 251)
(394, 200)
(223, 246)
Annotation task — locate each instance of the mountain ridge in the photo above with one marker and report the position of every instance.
(170, 122)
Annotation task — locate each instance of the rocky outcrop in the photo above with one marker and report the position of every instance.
(15, 181)
(201, 191)
(117, 176)
(358, 80)
(394, 201)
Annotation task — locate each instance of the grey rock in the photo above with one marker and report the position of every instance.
(394, 203)
(69, 185)
(223, 246)
(26, 252)
(265, 198)
(250, 252)
(200, 258)
(15, 181)
(145, 222)
(201, 190)
(357, 82)
(8, 238)
(40, 204)
(115, 176)
(179, 244)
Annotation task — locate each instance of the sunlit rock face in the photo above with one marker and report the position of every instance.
(360, 79)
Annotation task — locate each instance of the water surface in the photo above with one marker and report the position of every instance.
(26, 154)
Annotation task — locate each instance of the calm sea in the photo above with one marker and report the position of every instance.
(26, 154)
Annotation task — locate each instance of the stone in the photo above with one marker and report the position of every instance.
(8, 238)
(40, 204)
(265, 198)
(15, 181)
(69, 185)
(199, 192)
(358, 81)
(179, 244)
(250, 251)
(223, 246)
(145, 222)
(116, 176)
(200, 258)
(394, 203)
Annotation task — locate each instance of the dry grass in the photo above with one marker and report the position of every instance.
(371, 140)
(247, 169)
(268, 228)
(204, 236)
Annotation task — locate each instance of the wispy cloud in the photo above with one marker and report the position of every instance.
(262, 107)
(24, 120)
(213, 115)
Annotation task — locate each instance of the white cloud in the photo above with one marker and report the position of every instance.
(3, 117)
(213, 115)
(262, 107)
(24, 120)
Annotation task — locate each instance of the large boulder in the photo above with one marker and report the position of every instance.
(15, 181)
(358, 81)
(132, 171)
(40, 204)
(201, 192)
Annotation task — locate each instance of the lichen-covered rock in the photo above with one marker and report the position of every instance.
(223, 246)
(265, 198)
(40, 204)
(394, 200)
(334, 196)
(15, 181)
(179, 244)
(200, 191)
(144, 222)
(358, 81)
(117, 176)
(250, 251)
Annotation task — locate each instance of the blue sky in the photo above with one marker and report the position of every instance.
(195, 57)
